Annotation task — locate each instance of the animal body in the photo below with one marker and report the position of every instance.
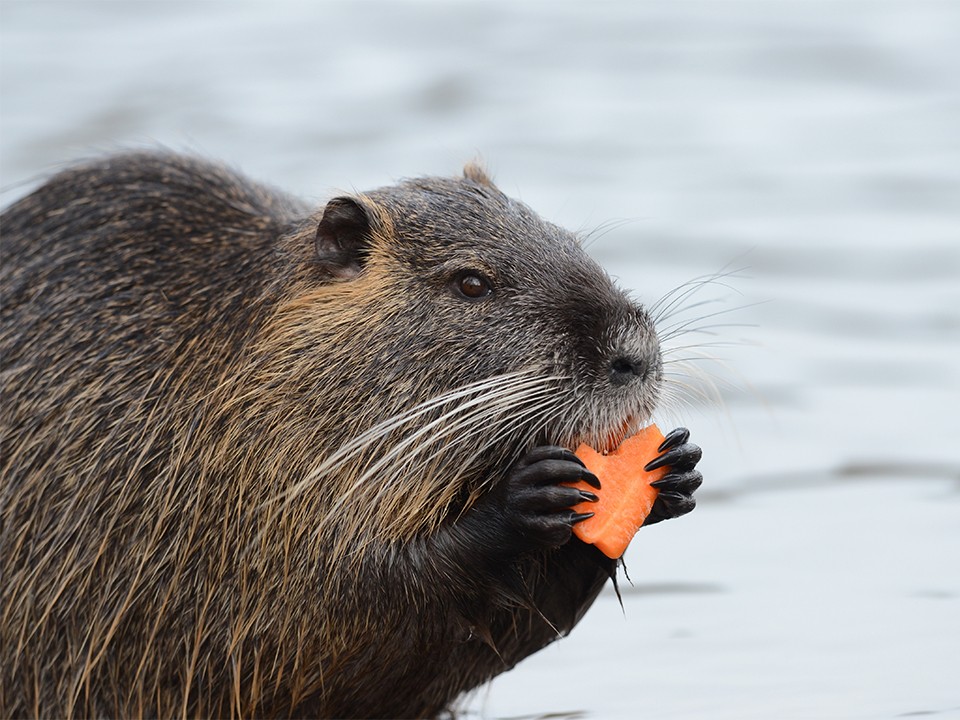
(259, 459)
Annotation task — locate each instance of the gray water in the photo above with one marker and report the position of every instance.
(808, 151)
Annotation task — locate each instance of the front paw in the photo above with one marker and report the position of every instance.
(534, 504)
(676, 488)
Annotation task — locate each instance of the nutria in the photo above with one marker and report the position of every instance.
(263, 460)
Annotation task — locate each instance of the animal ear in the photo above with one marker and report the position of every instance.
(343, 238)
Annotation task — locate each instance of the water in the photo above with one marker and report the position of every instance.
(811, 149)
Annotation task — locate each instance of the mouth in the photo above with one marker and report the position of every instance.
(615, 437)
(607, 439)
(601, 417)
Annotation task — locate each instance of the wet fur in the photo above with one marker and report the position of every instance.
(181, 368)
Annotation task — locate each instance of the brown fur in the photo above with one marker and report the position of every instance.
(179, 372)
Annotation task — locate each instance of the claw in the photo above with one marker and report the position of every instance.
(590, 479)
(675, 437)
(686, 455)
(667, 458)
(579, 517)
(685, 482)
(588, 496)
(549, 452)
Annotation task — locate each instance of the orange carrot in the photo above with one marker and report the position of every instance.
(625, 496)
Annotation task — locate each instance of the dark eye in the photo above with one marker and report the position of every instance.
(472, 285)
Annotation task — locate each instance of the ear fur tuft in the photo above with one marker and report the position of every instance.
(474, 171)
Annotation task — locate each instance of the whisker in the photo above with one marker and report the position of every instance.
(685, 381)
(706, 390)
(534, 416)
(443, 420)
(692, 358)
(510, 395)
(391, 504)
(739, 342)
(588, 238)
(449, 428)
(691, 396)
(366, 438)
(683, 326)
(675, 397)
(670, 302)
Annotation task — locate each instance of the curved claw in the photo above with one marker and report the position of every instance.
(677, 436)
(669, 505)
(682, 457)
(590, 479)
(549, 471)
(533, 507)
(683, 482)
(676, 488)
(548, 452)
(588, 496)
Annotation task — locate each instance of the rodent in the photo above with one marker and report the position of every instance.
(260, 459)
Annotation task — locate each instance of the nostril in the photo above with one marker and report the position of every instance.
(624, 369)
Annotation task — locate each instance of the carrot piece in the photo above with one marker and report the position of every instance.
(625, 496)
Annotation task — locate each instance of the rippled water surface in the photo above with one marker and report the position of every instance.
(808, 152)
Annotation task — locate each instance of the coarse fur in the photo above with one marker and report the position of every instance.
(257, 459)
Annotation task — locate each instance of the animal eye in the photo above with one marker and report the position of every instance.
(472, 285)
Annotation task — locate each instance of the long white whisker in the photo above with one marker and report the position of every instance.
(667, 352)
(681, 327)
(668, 304)
(477, 420)
(506, 422)
(707, 389)
(534, 415)
(449, 424)
(684, 395)
(588, 238)
(406, 442)
(366, 438)
(677, 388)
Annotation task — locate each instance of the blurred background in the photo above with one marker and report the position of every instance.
(795, 163)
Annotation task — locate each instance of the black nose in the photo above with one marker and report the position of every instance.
(625, 369)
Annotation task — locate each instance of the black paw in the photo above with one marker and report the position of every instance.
(534, 507)
(676, 488)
